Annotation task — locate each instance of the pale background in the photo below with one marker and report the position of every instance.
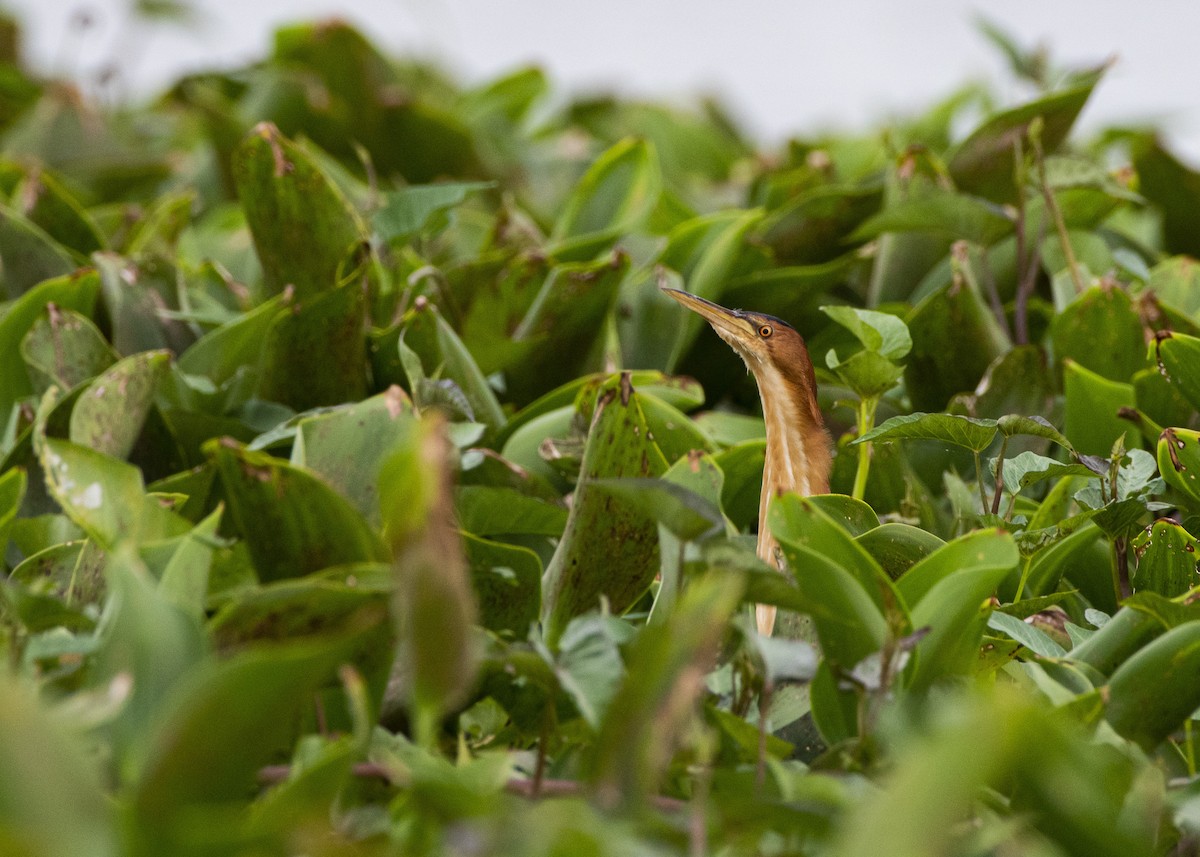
(781, 66)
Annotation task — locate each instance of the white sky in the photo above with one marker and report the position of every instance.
(782, 66)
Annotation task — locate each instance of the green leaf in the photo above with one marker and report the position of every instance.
(565, 325)
(199, 756)
(845, 590)
(1179, 357)
(1035, 640)
(347, 447)
(1012, 425)
(303, 227)
(1126, 632)
(1092, 421)
(616, 193)
(608, 548)
(32, 256)
(444, 356)
(974, 434)
(1101, 331)
(53, 802)
(867, 373)
(947, 215)
(103, 495)
(656, 697)
(898, 547)
(1137, 707)
(1167, 562)
(406, 212)
(292, 522)
(1179, 460)
(954, 609)
(877, 331)
(109, 415)
(76, 293)
(315, 351)
(983, 162)
(433, 605)
(684, 513)
(955, 340)
(507, 580)
(64, 348)
(1028, 468)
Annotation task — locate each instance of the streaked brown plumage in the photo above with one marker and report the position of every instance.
(798, 456)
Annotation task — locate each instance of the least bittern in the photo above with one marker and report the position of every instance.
(798, 454)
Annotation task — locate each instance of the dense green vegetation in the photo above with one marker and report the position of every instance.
(361, 493)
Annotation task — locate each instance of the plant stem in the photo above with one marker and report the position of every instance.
(998, 477)
(1060, 224)
(866, 422)
(979, 481)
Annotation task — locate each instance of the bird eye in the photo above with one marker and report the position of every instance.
(764, 331)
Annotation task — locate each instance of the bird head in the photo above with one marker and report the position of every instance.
(771, 348)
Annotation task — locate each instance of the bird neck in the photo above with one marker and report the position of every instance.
(797, 455)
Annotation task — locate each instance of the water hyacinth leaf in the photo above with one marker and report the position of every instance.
(103, 495)
(489, 510)
(983, 162)
(804, 229)
(293, 523)
(302, 225)
(257, 693)
(565, 325)
(45, 770)
(979, 552)
(1046, 567)
(433, 605)
(742, 465)
(1175, 281)
(1167, 562)
(684, 513)
(12, 491)
(148, 638)
(703, 251)
(407, 211)
(1034, 639)
(676, 435)
(343, 597)
(1159, 402)
(184, 581)
(76, 293)
(233, 347)
(44, 201)
(32, 256)
(944, 214)
(347, 447)
(1179, 461)
(1179, 355)
(316, 351)
(613, 196)
(898, 547)
(1101, 331)
(845, 590)
(648, 714)
(589, 665)
(109, 415)
(142, 299)
(969, 432)
(444, 356)
(877, 331)
(955, 339)
(507, 580)
(854, 516)
(1137, 708)
(1091, 420)
(608, 548)
(64, 348)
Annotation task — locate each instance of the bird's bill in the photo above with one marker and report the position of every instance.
(724, 320)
